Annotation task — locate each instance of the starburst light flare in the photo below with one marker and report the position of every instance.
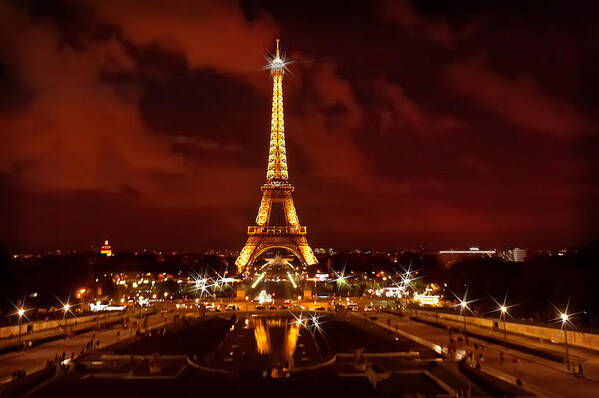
(464, 303)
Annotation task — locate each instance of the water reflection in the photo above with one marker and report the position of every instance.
(291, 336)
(262, 334)
(273, 344)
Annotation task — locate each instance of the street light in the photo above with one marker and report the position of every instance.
(66, 308)
(464, 306)
(503, 310)
(21, 312)
(565, 318)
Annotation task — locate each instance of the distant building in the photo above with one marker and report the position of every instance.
(450, 257)
(520, 254)
(515, 254)
(106, 249)
(560, 252)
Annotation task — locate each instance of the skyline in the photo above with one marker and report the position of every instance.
(405, 125)
(319, 250)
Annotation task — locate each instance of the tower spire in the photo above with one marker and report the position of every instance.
(277, 155)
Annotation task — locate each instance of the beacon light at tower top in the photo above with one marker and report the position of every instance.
(277, 63)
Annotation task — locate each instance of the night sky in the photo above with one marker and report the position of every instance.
(446, 124)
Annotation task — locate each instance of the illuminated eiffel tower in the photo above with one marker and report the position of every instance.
(277, 190)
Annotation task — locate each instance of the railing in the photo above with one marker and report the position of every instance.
(272, 230)
(544, 332)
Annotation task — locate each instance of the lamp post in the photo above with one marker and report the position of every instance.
(565, 317)
(21, 312)
(503, 310)
(65, 308)
(464, 306)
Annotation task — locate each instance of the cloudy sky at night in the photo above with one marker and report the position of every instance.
(435, 123)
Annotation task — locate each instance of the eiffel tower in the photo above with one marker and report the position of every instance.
(277, 190)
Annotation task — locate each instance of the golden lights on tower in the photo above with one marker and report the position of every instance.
(277, 156)
(264, 236)
(264, 211)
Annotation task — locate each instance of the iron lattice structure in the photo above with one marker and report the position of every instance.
(263, 235)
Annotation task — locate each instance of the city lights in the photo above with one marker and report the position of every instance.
(427, 299)
(263, 297)
(315, 321)
(407, 279)
(341, 279)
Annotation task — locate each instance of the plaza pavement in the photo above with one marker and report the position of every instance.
(34, 359)
(537, 375)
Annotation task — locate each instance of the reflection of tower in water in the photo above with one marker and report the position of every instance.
(270, 331)
(291, 337)
(262, 336)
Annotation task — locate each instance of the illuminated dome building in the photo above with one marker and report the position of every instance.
(106, 249)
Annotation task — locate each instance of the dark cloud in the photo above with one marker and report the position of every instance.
(209, 34)
(401, 112)
(406, 123)
(402, 13)
(520, 101)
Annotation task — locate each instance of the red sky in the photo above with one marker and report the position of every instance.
(407, 124)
